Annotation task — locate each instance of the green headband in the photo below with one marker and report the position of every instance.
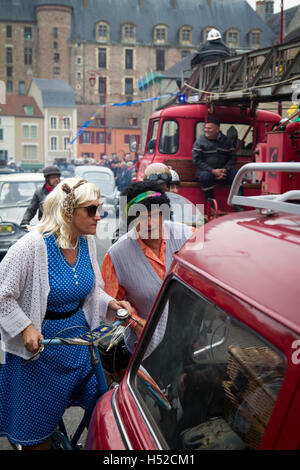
(141, 197)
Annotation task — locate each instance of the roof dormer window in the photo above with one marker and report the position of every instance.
(160, 34)
(232, 37)
(128, 32)
(185, 35)
(102, 31)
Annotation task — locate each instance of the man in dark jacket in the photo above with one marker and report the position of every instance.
(213, 49)
(214, 158)
(52, 177)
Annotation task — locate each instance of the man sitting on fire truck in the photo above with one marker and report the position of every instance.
(214, 158)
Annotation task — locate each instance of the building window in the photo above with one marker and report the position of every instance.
(29, 132)
(255, 38)
(33, 132)
(86, 138)
(27, 32)
(30, 152)
(102, 87)
(9, 71)
(9, 55)
(21, 88)
(66, 142)
(56, 58)
(53, 122)
(28, 110)
(78, 60)
(128, 59)
(53, 143)
(102, 32)
(55, 32)
(25, 132)
(160, 34)
(102, 58)
(66, 123)
(55, 45)
(232, 37)
(185, 35)
(56, 70)
(1, 134)
(28, 56)
(3, 155)
(160, 59)
(9, 86)
(129, 87)
(128, 33)
(8, 31)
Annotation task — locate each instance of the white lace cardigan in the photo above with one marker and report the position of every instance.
(24, 288)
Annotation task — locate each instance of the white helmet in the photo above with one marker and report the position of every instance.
(213, 35)
(175, 176)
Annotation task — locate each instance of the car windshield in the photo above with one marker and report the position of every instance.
(184, 211)
(104, 182)
(206, 381)
(17, 192)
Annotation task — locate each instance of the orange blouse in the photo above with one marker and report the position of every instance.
(111, 282)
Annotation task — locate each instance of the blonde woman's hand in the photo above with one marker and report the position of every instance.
(32, 338)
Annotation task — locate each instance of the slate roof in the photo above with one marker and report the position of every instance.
(55, 93)
(274, 21)
(221, 14)
(15, 106)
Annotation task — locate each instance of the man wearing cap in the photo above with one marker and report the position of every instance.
(214, 158)
(52, 177)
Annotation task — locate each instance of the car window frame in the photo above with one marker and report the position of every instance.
(144, 342)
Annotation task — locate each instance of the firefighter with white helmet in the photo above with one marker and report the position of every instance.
(213, 49)
(214, 34)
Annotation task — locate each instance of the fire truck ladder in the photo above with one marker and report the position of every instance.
(264, 75)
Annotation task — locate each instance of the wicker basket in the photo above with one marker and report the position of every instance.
(256, 375)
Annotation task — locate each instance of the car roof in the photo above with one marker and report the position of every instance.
(226, 114)
(255, 257)
(21, 177)
(92, 168)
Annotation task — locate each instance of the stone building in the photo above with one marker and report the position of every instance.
(102, 48)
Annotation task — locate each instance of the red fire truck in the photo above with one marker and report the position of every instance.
(226, 374)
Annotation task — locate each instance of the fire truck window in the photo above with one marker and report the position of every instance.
(235, 132)
(169, 137)
(205, 381)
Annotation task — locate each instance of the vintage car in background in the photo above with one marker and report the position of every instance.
(16, 191)
(225, 373)
(105, 180)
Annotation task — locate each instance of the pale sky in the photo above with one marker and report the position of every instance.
(286, 4)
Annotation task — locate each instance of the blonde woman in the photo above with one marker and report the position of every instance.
(49, 282)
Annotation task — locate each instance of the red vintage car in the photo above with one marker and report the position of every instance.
(226, 374)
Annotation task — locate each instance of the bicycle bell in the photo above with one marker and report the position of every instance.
(122, 314)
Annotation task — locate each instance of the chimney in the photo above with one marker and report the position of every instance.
(85, 3)
(141, 3)
(175, 4)
(261, 8)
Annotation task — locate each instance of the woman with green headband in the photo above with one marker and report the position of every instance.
(135, 266)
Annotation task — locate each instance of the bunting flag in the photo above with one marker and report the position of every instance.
(125, 103)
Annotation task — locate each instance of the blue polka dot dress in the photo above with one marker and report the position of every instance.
(33, 398)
